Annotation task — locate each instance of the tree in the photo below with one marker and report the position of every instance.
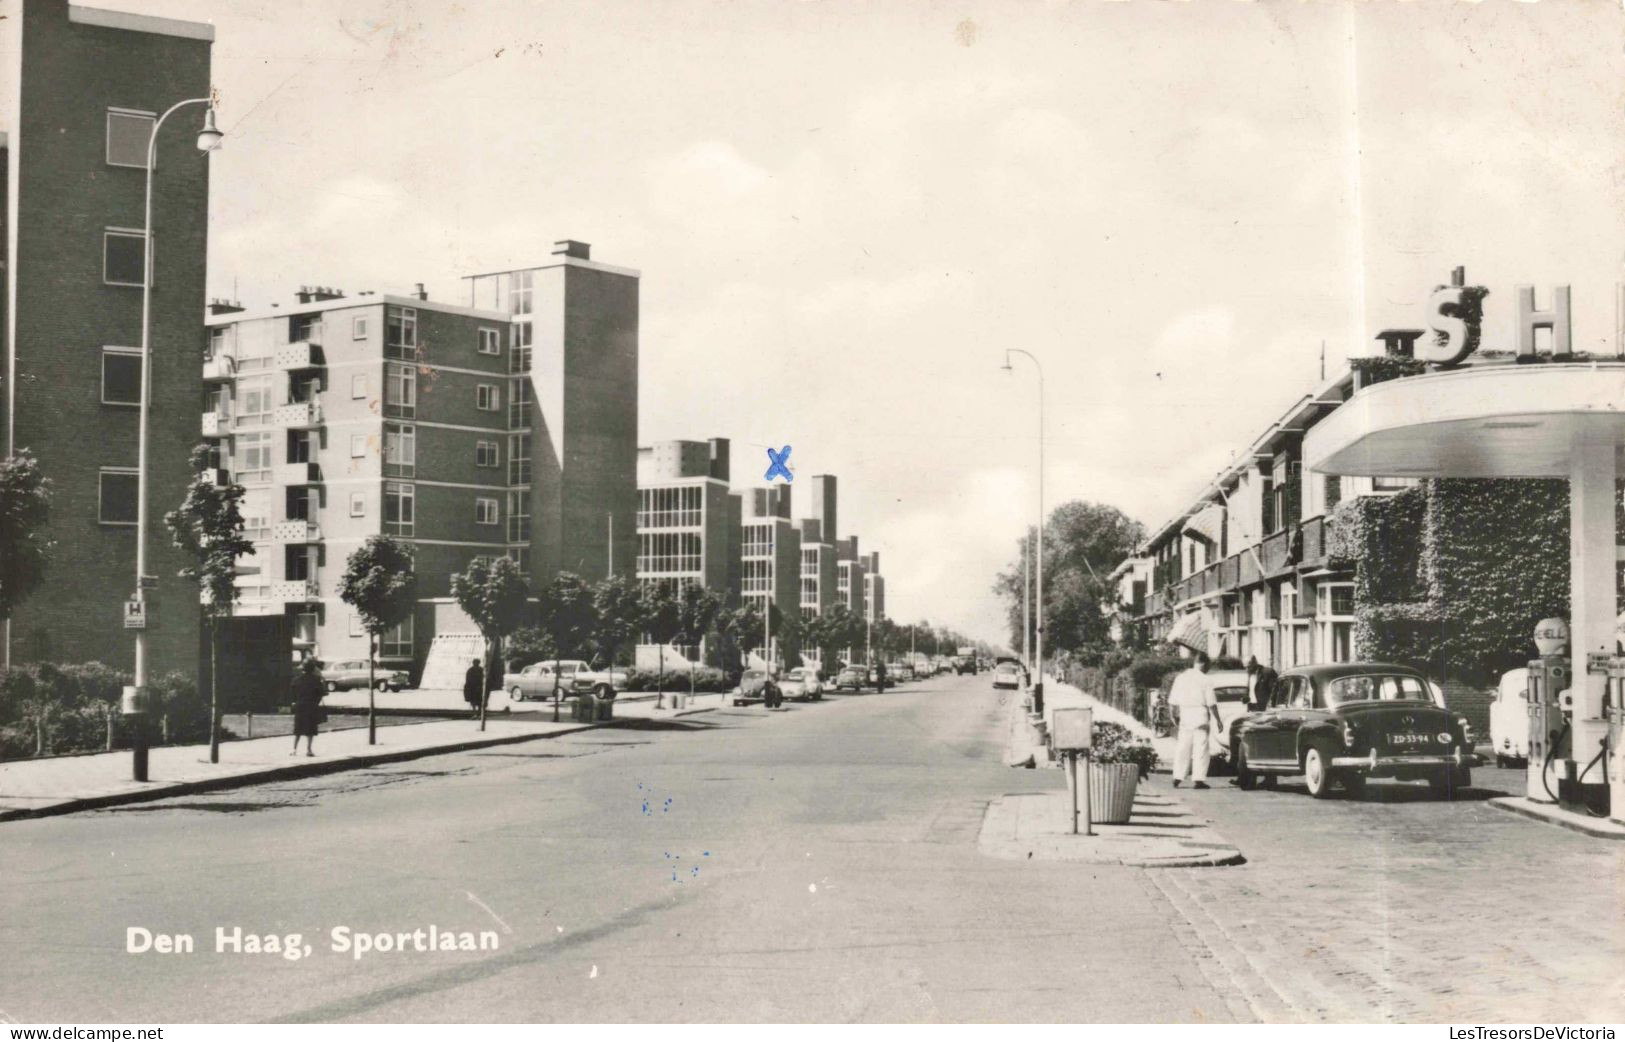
(618, 609)
(208, 528)
(735, 629)
(661, 612)
(698, 609)
(496, 595)
(25, 506)
(1083, 542)
(567, 613)
(379, 583)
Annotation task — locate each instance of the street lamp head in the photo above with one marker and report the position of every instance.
(208, 139)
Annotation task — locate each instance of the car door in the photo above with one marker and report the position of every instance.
(1263, 734)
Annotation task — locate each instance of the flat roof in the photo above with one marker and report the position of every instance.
(561, 261)
(140, 23)
(333, 304)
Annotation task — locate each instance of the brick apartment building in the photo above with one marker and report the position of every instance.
(688, 522)
(818, 556)
(80, 89)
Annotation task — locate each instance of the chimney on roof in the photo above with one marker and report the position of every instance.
(221, 306)
(571, 248)
(419, 292)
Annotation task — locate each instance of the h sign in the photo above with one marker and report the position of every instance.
(1074, 729)
(135, 615)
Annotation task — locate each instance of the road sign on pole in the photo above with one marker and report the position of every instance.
(135, 615)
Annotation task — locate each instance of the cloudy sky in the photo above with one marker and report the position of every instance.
(845, 213)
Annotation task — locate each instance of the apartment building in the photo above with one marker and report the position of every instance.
(688, 522)
(818, 552)
(874, 588)
(770, 550)
(80, 91)
(849, 575)
(573, 406)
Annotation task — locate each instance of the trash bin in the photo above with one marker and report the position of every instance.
(603, 708)
(581, 709)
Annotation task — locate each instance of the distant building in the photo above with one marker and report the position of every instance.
(688, 522)
(818, 551)
(850, 584)
(80, 90)
(874, 588)
(770, 550)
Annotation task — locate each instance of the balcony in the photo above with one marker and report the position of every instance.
(221, 367)
(301, 354)
(296, 531)
(298, 474)
(216, 425)
(299, 415)
(296, 591)
(1315, 530)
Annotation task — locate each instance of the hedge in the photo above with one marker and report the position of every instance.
(47, 709)
(706, 679)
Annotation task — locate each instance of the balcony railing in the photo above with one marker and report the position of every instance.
(216, 425)
(1300, 546)
(301, 354)
(296, 591)
(298, 474)
(298, 415)
(296, 531)
(221, 367)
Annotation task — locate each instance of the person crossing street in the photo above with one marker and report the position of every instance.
(1196, 710)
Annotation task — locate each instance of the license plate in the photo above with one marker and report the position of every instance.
(1409, 739)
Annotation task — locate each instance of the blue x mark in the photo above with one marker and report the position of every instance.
(778, 466)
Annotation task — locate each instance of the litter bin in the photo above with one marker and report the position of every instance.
(581, 709)
(603, 708)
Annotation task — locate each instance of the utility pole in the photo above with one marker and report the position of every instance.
(611, 574)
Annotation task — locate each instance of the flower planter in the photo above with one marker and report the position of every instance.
(1111, 792)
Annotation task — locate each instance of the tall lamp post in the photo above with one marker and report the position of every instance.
(1038, 688)
(135, 696)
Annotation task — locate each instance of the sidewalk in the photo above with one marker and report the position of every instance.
(1162, 832)
(1058, 694)
(63, 784)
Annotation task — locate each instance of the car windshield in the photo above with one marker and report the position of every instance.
(1373, 687)
(1230, 694)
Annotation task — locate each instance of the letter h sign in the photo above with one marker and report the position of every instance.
(1556, 320)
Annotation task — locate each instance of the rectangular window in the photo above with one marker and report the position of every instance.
(358, 327)
(400, 332)
(520, 295)
(490, 341)
(116, 501)
(358, 504)
(485, 454)
(401, 391)
(358, 385)
(520, 345)
(518, 517)
(305, 328)
(400, 450)
(397, 642)
(519, 402)
(487, 397)
(485, 511)
(356, 627)
(121, 376)
(358, 446)
(400, 508)
(128, 132)
(518, 459)
(258, 403)
(122, 256)
(254, 457)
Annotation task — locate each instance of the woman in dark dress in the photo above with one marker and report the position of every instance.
(307, 695)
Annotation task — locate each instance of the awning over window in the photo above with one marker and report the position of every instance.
(1190, 632)
(1207, 523)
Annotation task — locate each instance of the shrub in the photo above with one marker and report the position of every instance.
(706, 679)
(1114, 743)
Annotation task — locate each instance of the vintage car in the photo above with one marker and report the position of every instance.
(1509, 718)
(756, 686)
(342, 676)
(539, 680)
(806, 679)
(1008, 675)
(1340, 724)
(1230, 692)
(851, 678)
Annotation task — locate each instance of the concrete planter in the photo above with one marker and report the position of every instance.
(1111, 792)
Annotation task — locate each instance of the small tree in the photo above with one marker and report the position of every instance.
(618, 610)
(698, 609)
(568, 614)
(497, 597)
(25, 506)
(380, 585)
(208, 528)
(662, 619)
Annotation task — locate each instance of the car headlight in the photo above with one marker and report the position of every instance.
(1348, 735)
(1466, 730)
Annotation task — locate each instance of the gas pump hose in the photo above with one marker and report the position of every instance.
(1602, 755)
(1551, 755)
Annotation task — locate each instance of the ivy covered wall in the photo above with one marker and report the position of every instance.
(1452, 575)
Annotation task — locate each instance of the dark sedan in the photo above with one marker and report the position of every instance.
(1341, 724)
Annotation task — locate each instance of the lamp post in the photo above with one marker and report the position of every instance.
(135, 696)
(1038, 688)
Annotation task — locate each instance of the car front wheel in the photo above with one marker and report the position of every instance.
(516, 693)
(1246, 780)
(1317, 777)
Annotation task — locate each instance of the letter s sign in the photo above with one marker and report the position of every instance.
(1451, 329)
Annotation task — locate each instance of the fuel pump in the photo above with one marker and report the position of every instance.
(1548, 729)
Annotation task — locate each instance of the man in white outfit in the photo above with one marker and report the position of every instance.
(1196, 709)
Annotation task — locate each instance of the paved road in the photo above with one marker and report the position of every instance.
(817, 863)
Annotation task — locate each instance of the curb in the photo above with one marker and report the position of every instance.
(307, 769)
(1556, 816)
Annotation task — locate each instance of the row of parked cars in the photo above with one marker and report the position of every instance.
(804, 684)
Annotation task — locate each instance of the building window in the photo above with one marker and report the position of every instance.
(128, 133)
(122, 261)
(487, 397)
(358, 385)
(254, 457)
(358, 504)
(485, 511)
(1391, 484)
(680, 507)
(757, 576)
(758, 541)
(485, 454)
(520, 295)
(1334, 621)
(519, 349)
(400, 450)
(662, 553)
(357, 628)
(121, 376)
(397, 642)
(258, 403)
(305, 328)
(518, 459)
(400, 332)
(519, 517)
(358, 327)
(519, 402)
(358, 446)
(116, 500)
(400, 509)
(490, 341)
(401, 391)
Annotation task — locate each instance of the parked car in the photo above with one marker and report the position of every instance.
(536, 681)
(756, 686)
(1230, 692)
(1344, 723)
(1007, 674)
(851, 678)
(1509, 718)
(900, 672)
(807, 677)
(604, 683)
(342, 676)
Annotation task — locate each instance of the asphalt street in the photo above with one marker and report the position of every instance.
(817, 863)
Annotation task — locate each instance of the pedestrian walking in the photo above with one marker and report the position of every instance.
(1196, 710)
(306, 693)
(1260, 684)
(880, 676)
(474, 687)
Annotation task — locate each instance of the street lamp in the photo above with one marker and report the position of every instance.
(1038, 688)
(135, 696)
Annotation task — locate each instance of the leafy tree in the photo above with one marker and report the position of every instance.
(380, 584)
(208, 528)
(25, 506)
(567, 613)
(662, 619)
(496, 596)
(735, 632)
(618, 611)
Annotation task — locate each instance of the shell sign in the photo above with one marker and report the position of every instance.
(1551, 636)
